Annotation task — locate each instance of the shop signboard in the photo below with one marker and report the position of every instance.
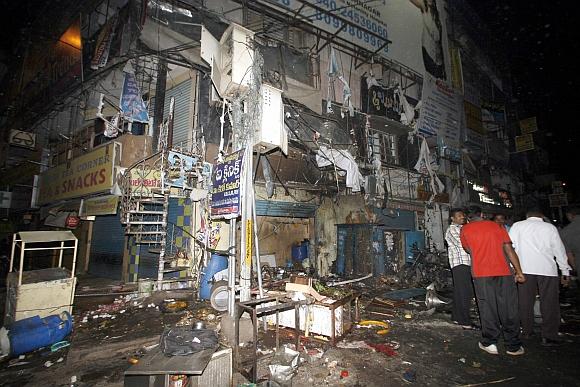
(473, 118)
(529, 125)
(88, 174)
(102, 205)
(524, 143)
(225, 191)
(479, 193)
(143, 180)
(440, 111)
(558, 200)
(379, 100)
(22, 139)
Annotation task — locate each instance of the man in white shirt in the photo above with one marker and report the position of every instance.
(537, 243)
(460, 263)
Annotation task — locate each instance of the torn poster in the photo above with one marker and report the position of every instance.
(344, 161)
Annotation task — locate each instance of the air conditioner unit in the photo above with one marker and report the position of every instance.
(230, 59)
(271, 133)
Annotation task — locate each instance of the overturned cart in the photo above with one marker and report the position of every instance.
(40, 292)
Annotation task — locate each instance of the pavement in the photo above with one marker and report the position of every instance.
(421, 347)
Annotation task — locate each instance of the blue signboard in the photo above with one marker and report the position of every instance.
(225, 191)
(132, 105)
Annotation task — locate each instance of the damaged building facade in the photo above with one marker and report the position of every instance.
(368, 123)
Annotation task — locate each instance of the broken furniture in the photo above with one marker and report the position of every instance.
(41, 292)
(258, 308)
(325, 317)
(204, 368)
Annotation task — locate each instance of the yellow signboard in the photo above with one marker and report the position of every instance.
(456, 69)
(524, 143)
(473, 117)
(102, 205)
(248, 258)
(143, 180)
(529, 125)
(88, 174)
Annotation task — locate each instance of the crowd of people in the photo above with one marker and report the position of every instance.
(506, 267)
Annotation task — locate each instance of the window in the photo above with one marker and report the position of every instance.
(384, 145)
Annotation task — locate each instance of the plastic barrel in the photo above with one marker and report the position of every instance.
(34, 332)
(216, 264)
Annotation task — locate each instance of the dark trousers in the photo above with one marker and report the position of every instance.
(497, 298)
(462, 294)
(549, 288)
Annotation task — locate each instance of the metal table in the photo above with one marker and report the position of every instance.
(255, 311)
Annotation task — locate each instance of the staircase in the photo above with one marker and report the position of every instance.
(145, 206)
(144, 210)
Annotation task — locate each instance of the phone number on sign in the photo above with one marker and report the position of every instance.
(347, 12)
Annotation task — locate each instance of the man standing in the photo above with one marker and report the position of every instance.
(537, 243)
(500, 219)
(571, 235)
(494, 283)
(460, 263)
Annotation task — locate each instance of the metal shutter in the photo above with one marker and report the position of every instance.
(107, 247)
(183, 123)
(285, 209)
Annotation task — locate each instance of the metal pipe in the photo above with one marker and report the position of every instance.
(232, 269)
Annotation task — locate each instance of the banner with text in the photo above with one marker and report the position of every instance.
(440, 111)
(102, 205)
(225, 191)
(88, 174)
(416, 29)
(132, 105)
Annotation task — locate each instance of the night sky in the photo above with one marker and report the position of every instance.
(541, 40)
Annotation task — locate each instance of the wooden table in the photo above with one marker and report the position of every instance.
(155, 368)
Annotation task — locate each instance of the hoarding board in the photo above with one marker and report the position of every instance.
(416, 29)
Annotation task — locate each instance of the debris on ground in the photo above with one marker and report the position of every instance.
(283, 365)
(385, 348)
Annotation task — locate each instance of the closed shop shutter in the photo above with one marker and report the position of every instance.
(107, 247)
(183, 122)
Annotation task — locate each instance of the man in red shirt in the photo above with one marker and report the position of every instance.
(495, 288)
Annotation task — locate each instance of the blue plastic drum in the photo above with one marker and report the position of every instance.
(34, 332)
(216, 264)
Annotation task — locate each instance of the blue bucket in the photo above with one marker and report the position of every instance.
(216, 264)
(300, 252)
(34, 332)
